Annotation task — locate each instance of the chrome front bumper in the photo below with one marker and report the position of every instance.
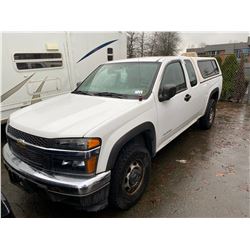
(57, 185)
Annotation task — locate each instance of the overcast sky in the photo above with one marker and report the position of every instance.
(194, 39)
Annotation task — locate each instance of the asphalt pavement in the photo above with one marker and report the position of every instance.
(199, 174)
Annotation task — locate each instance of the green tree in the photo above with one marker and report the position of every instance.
(219, 60)
(240, 83)
(229, 69)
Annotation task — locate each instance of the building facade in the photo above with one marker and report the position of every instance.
(224, 49)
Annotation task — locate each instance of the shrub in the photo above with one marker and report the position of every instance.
(219, 60)
(229, 69)
(240, 83)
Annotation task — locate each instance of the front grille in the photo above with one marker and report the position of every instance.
(42, 159)
(33, 139)
(33, 157)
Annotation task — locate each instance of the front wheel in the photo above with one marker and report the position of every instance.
(207, 120)
(130, 176)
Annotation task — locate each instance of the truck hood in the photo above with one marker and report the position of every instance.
(68, 115)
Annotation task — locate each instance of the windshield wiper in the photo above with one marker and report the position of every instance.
(111, 94)
(81, 92)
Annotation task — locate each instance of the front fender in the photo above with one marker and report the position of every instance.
(147, 128)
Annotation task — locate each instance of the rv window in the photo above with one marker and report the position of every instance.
(31, 56)
(25, 61)
(110, 50)
(38, 65)
(110, 58)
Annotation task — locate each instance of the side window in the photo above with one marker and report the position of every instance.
(110, 51)
(174, 75)
(191, 73)
(216, 70)
(110, 54)
(208, 68)
(27, 61)
(110, 58)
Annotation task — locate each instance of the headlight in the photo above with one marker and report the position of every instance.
(84, 162)
(77, 143)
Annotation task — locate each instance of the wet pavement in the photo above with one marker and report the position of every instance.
(199, 174)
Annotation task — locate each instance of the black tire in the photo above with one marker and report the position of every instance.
(207, 120)
(128, 180)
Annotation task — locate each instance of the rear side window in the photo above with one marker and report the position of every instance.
(174, 75)
(208, 68)
(26, 61)
(191, 73)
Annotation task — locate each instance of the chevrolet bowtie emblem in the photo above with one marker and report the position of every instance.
(20, 142)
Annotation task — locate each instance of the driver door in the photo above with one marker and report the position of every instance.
(173, 114)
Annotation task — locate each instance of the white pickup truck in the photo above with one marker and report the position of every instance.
(94, 146)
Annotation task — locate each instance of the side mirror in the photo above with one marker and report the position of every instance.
(167, 92)
(78, 84)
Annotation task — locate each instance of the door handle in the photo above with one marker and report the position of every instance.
(187, 97)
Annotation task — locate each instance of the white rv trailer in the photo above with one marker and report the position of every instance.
(36, 66)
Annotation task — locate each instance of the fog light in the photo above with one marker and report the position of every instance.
(73, 163)
(78, 163)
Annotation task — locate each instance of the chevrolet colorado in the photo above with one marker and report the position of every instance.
(94, 146)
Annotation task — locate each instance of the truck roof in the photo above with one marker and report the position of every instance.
(159, 59)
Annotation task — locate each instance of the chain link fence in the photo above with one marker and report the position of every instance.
(236, 77)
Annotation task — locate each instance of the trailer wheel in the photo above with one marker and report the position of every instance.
(130, 176)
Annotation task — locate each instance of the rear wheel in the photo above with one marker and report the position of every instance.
(207, 120)
(130, 176)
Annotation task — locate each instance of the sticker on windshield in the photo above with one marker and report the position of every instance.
(138, 92)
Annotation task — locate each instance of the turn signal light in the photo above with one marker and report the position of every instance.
(91, 164)
(93, 142)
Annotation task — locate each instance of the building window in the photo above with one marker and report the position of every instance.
(244, 52)
(237, 53)
(27, 61)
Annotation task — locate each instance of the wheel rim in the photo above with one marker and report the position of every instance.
(211, 115)
(133, 178)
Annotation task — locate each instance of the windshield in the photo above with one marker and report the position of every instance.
(121, 80)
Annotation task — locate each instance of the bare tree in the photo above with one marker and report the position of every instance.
(132, 39)
(167, 43)
(141, 44)
(153, 44)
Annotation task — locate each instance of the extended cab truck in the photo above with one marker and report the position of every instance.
(94, 146)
